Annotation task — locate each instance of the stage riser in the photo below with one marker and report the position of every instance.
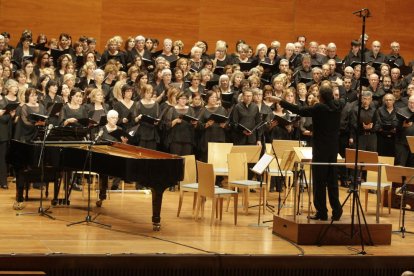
(338, 234)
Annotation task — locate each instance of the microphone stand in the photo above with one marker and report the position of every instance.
(356, 203)
(88, 219)
(41, 164)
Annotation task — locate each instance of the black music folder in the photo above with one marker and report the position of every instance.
(56, 53)
(11, 106)
(118, 133)
(282, 121)
(53, 109)
(244, 128)
(269, 68)
(149, 119)
(87, 122)
(148, 62)
(246, 66)
(211, 83)
(217, 118)
(103, 120)
(405, 115)
(219, 70)
(36, 117)
(188, 118)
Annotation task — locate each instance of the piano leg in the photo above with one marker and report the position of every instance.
(157, 193)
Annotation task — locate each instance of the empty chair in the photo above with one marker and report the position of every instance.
(371, 183)
(189, 183)
(237, 178)
(207, 189)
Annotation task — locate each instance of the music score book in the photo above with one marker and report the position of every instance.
(262, 164)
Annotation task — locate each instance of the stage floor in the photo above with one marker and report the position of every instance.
(129, 214)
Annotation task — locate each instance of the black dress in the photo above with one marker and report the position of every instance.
(125, 112)
(181, 136)
(25, 129)
(147, 135)
(5, 135)
(215, 133)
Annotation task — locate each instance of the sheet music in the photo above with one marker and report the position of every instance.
(262, 164)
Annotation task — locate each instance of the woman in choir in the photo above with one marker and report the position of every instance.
(302, 93)
(211, 131)
(12, 88)
(25, 51)
(25, 128)
(51, 98)
(126, 108)
(140, 82)
(111, 72)
(65, 93)
(6, 121)
(111, 126)
(97, 107)
(195, 85)
(60, 71)
(98, 76)
(7, 73)
(20, 77)
(113, 52)
(28, 69)
(165, 117)
(70, 81)
(196, 61)
(267, 92)
(161, 89)
(306, 124)
(271, 55)
(261, 51)
(129, 44)
(147, 134)
(179, 79)
(182, 63)
(181, 130)
(42, 63)
(88, 78)
(133, 72)
(205, 75)
(74, 110)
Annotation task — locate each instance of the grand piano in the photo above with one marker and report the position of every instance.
(153, 169)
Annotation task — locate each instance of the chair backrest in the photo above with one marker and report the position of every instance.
(286, 162)
(372, 175)
(252, 152)
(279, 146)
(206, 179)
(190, 172)
(217, 154)
(237, 163)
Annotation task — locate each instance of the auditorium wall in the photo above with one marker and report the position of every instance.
(211, 20)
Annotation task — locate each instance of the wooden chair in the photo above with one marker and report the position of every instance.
(189, 183)
(217, 155)
(286, 166)
(237, 163)
(371, 183)
(206, 189)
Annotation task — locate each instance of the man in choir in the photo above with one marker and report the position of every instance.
(403, 155)
(374, 55)
(366, 125)
(394, 55)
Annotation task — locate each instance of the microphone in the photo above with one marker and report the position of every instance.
(362, 12)
(48, 129)
(98, 136)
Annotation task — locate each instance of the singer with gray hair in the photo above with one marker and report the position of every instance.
(110, 132)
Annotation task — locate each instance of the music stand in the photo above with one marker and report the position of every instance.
(400, 175)
(259, 169)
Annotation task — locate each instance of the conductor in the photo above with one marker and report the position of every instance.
(325, 116)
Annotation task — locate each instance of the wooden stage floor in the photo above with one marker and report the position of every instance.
(131, 231)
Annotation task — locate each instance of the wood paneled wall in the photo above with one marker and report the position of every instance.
(211, 20)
